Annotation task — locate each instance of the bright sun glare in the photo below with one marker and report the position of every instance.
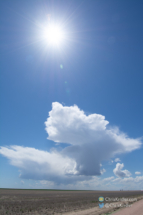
(54, 35)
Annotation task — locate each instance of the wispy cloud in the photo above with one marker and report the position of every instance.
(137, 179)
(137, 173)
(117, 160)
(108, 179)
(102, 171)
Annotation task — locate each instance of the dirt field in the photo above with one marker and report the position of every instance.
(17, 202)
(136, 209)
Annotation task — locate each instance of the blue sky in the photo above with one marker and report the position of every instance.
(84, 95)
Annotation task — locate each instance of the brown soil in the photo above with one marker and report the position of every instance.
(17, 202)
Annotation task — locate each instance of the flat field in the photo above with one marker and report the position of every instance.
(18, 201)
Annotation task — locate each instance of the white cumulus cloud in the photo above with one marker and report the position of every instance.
(89, 142)
(119, 172)
(38, 164)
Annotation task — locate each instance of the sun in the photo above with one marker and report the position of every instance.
(54, 35)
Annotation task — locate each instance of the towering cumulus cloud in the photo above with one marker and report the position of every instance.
(89, 142)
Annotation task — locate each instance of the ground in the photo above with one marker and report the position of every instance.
(17, 202)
